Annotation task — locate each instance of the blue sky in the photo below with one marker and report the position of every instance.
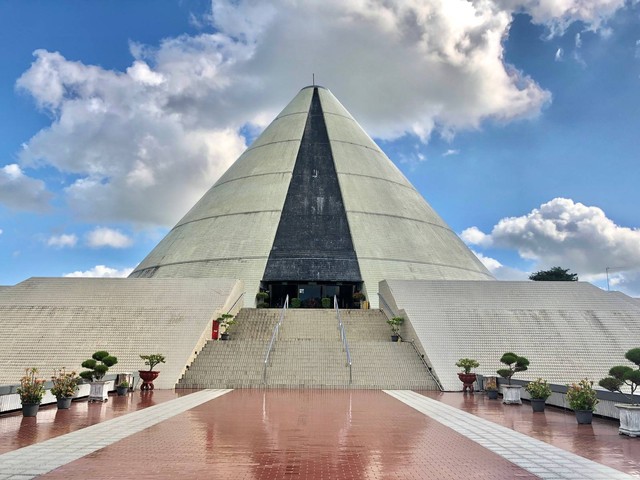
(517, 121)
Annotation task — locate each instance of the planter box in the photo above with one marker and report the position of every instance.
(629, 419)
(98, 392)
(511, 394)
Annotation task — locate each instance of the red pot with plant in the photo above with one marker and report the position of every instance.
(148, 376)
(466, 376)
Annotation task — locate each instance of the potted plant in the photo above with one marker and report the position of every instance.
(295, 302)
(97, 367)
(395, 323)
(491, 387)
(122, 388)
(64, 387)
(539, 390)
(227, 321)
(148, 376)
(326, 302)
(466, 376)
(358, 297)
(625, 375)
(515, 363)
(31, 391)
(582, 400)
(262, 300)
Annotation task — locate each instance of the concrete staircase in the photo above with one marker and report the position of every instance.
(308, 354)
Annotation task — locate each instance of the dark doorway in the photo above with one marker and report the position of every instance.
(311, 294)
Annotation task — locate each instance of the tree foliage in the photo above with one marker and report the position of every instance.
(555, 274)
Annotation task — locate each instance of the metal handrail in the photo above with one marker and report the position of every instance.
(413, 344)
(343, 335)
(274, 335)
(237, 300)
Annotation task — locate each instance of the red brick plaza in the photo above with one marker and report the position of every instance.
(311, 434)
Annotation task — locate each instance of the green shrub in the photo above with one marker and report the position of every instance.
(624, 375)
(97, 370)
(262, 305)
(582, 396)
(153, 359)
(538, 389)
(295, 303)
(515, 364)
(467, 364)
(395, 323)
(326, 302)
(262, 296)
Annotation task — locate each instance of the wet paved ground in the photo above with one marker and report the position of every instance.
(256, 434)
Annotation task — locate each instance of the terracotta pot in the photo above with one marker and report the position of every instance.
(467, 380)
(147, 379)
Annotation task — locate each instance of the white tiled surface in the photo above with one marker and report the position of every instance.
(540, 458)
(40, 458)
(567, 330)
(59, 322)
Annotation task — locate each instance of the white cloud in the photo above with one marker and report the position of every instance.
(558, 15)
(145, 143)
(21, 192)
(63, 240)
(559, 55)
(107, 237)
(450, 152)
(101, 271)
(0, 231)
(500, 271)
(565, 233)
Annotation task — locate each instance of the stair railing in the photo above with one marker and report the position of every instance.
(343, 335)
(387, 308)
(274, 336)
(237, 300)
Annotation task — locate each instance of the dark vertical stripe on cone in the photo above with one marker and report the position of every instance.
(313, 241)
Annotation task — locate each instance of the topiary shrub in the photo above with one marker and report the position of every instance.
(295, 303)
(326, 302)
(624, 375)
(515, 363)
(97, 366)
(262, 305)
(262, 296)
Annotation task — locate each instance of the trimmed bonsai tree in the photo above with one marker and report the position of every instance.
(515, 363)
(153, 360)
(624, 375)
(466, 364)
(97, 366)
(262, 300)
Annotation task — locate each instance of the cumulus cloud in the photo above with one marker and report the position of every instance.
(107, 237)
(62, 241)
(144, 143)
(558, 15)
(20, 192)
(566, 233)
(101, 271)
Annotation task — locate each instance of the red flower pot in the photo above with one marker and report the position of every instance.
(467, 380)
(147, 379)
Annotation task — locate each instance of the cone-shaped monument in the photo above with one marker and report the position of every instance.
(313, 208)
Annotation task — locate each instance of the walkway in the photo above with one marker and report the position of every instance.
(310, 434)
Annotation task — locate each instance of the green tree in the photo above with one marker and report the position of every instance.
(555, 274)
